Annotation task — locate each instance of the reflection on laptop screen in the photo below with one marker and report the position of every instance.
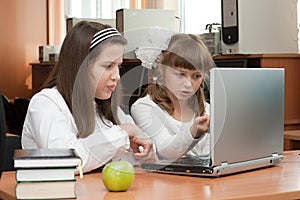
(247, 113)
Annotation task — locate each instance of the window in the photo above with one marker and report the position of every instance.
(104, 9)
(196, 14)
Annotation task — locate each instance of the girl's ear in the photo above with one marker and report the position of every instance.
(160, 73)
(202, 85)
(160, 69)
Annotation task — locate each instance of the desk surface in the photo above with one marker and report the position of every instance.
(281, 182)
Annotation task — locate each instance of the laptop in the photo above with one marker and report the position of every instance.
(246, 124)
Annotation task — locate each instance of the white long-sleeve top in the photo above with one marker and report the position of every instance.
(171, 137)
(50, 124)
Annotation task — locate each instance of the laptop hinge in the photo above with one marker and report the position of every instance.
(223, 164)
(275, 154)
(277, 158)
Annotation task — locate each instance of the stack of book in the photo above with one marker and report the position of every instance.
(46, 173)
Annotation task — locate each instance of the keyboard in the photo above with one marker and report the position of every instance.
(193, 160)
(189, 160)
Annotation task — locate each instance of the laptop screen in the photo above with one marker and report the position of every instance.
(247, 113)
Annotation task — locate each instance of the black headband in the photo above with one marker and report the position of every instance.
(103, 35)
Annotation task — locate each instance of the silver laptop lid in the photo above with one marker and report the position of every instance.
(247, 113)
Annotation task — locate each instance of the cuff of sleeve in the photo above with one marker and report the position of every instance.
(188, 138)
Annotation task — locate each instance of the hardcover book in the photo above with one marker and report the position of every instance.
(46, 190)
(45, 174)
(47, 158)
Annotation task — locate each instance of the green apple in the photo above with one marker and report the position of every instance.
(118, 176)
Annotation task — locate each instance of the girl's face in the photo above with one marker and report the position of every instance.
(183, 83)
(105, 71)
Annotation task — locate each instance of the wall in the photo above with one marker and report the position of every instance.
(23, 28)
(56, 22)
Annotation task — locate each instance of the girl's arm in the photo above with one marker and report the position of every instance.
(49, 124)
(171, 142)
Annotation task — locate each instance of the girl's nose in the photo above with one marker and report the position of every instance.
(188, 82)
(115, 75)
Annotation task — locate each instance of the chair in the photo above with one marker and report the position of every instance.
(2, 135)
(15, 112)
(10, 114)
(8, 143)
(20, 108)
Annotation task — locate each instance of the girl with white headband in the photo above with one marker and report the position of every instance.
(78, 106)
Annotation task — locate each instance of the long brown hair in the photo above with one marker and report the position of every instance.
(71, 76)
(184, 51)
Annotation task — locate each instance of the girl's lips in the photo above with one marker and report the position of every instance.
(186, 93)
(111, 87)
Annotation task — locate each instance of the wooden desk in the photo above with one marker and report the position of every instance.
(292, 140)
(281, 182)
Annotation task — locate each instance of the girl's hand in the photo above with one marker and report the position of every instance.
(200, 126)
(143, 149)
(140, 143)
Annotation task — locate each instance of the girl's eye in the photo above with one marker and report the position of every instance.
(180, 74)
(196, 76)
(104, 66)
(109, 66)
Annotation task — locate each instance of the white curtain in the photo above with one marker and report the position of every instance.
(195, 14)
(104, 9)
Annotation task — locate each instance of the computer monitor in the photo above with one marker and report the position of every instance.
(232, 63)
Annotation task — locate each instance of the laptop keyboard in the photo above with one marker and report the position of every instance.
(193, 160)
(189, 160)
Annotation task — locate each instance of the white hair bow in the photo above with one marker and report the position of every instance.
(154, 41)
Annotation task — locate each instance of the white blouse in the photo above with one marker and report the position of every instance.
(171, 137)
(50, 124)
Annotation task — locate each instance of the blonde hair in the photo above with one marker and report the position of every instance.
(186, 51)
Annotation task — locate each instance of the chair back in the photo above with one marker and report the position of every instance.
(8, 142)
(2, 135)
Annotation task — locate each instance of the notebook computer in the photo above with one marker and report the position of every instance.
(246, 123)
